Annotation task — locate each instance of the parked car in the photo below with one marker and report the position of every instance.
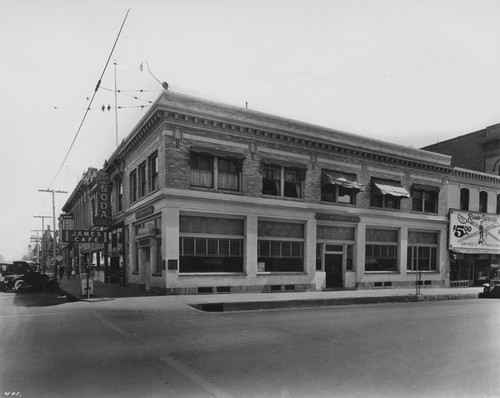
(491, 289)
(24, 275)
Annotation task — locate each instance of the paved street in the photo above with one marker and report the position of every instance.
(160, 347)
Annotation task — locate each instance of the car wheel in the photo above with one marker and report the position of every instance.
(19, 286)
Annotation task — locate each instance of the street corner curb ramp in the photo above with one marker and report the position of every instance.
(329, 302)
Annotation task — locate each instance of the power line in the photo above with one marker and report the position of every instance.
(91, 100)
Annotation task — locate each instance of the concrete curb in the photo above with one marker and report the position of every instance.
(308, 303)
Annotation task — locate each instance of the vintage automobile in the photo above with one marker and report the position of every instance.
(491, 289)
(26, 276)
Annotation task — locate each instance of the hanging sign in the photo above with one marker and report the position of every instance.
(102, 217)
(84, 236)
(473, 232)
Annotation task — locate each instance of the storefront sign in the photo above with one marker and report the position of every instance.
(102, 217)
(84, 236)
(337, 217)
(145, 212)
(472, 232)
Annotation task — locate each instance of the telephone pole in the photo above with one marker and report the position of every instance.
(54, 243)
(43, 249)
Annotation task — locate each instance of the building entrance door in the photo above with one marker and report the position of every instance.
(333, 270)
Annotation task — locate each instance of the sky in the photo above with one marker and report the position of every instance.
(411, 72)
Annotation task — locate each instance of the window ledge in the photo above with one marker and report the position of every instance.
(278, 273)
(197, 274)
(423, 271)
(283, 198)
(227, 191)
(382, 272)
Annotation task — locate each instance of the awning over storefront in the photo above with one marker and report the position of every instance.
(476, 251)
(392, 188)
(217, 152)
(343, 179)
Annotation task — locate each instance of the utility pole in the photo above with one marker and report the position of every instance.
(36, 239)
(116, 109)
(54, 243)
(43, 231)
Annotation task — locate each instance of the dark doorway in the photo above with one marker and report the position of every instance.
(333, 270)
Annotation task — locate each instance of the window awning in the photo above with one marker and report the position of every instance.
(285, 163)
(342, 179)
(392, 188)
(425, 187)
(217, 152)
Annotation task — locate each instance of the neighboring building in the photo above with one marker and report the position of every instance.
(474, 203)
(479, 151)
(79, 211)
(213, 198)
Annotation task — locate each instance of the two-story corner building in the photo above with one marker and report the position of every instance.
(215, 198)
(78, 215)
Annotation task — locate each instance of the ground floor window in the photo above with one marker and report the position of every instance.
(210, 244)
(280, 247)
(210, 255)
(422, 251)
(381, 251)
(280, 256)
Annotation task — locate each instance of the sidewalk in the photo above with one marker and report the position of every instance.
(258, 301)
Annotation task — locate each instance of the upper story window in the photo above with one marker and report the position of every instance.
(119, 194)
(133, 185)
(153, 172)
(283, 179)
(483, 202)
(339, 187)
(387, 194)
(464, 199)
(216, 169)
(425, 198)
(142, 179)
(498, 204)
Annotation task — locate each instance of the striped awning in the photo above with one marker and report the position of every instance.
(343, 179)
(392, 188)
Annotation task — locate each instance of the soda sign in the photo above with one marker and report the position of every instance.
(102, 217)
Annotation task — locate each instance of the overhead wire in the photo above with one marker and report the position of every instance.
(91, 100)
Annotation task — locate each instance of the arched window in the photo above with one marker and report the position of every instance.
(498, 204)
(483, 202)
(464, 199)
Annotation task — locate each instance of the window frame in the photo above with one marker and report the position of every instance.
(133, 186)
(280, 181)
(432, 200)
(464, 200)
(142, 177)
(153, 172)
(213, 170)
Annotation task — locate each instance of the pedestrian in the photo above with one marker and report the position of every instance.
(61, 271)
